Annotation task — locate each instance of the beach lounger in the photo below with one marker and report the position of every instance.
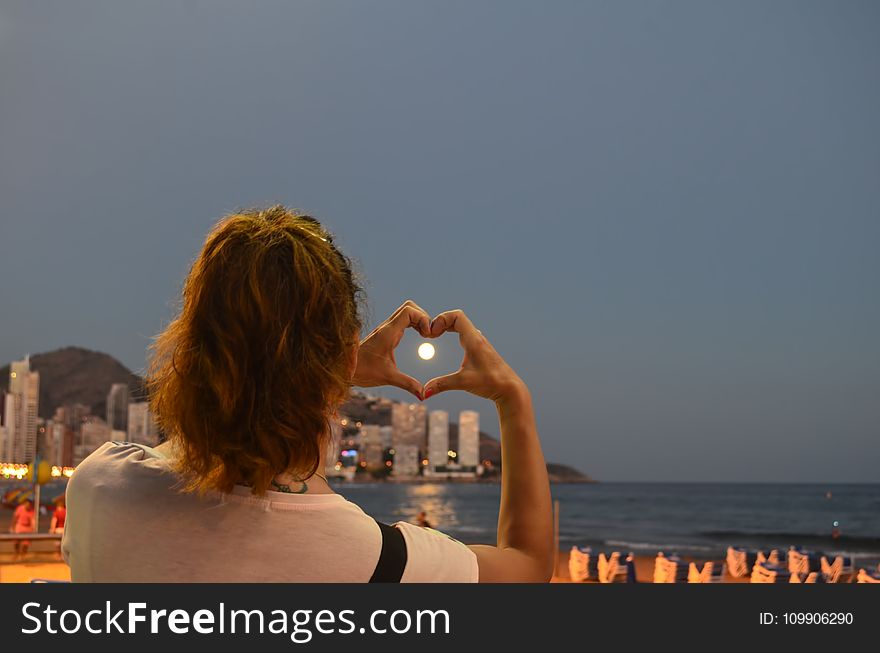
(803, 562)
(740, 561)
(712, 572)
(839, 570)
(579, 564)
(765, 572)
(670, 569)
(866, 576)
(611, 570)
(810, 578)
(607, 565)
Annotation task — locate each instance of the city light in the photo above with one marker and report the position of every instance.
(13, 470)
(18, 471)
(426, 351)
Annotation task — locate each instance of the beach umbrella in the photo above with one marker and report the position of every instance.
(16, 496)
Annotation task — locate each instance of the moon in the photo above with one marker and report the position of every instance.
(426, 351)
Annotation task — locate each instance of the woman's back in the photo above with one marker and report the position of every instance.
(134, 525)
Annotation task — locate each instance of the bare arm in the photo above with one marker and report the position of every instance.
(524, 549)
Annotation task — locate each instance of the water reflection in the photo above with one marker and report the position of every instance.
(431, 498)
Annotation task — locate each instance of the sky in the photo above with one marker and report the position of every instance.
(664, 215)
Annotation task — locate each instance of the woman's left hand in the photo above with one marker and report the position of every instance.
(375, 360)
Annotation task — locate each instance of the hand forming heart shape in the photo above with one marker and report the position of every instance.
(482, 372)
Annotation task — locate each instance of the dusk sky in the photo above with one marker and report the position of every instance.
(664, 215)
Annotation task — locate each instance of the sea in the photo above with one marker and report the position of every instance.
(690, 519)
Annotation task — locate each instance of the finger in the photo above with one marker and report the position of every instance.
(424, 326)
(405, 382)
(440, 384)
(412, 315)
(457, 322)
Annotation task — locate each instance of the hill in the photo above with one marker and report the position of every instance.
(77, 375)
(564, 474)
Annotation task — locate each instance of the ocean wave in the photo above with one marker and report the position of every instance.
(796, 538)
(855, 555)
(653, 546)
(470, 529)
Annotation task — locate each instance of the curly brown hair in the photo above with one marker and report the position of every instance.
(244, 379)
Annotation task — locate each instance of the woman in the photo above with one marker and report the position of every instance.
(23, 521)
(243, 383)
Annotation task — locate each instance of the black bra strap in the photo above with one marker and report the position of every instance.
(392, 559)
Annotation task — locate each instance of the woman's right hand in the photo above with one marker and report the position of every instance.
(375, 363)
(482, 372)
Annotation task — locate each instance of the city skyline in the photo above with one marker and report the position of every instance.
(664, 216)
(416, 443)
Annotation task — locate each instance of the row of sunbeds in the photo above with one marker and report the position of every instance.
(797, 566)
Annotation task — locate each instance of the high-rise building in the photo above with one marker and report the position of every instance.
(45, 445)
(2, 433)
(408, 426)
(406, 460)
(141, 424)
(468, 440)
(387, 435)
(117, 407)
(372, 451)
(71, 417)
(93, 434)
(438, 440)
(20, 414)
(9, 421)
(60, 456)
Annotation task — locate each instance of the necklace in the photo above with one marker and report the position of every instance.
(285, 488)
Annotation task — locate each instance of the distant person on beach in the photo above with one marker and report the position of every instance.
(23, 521)
(422, 520)
(244, 382)
(58, 518)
